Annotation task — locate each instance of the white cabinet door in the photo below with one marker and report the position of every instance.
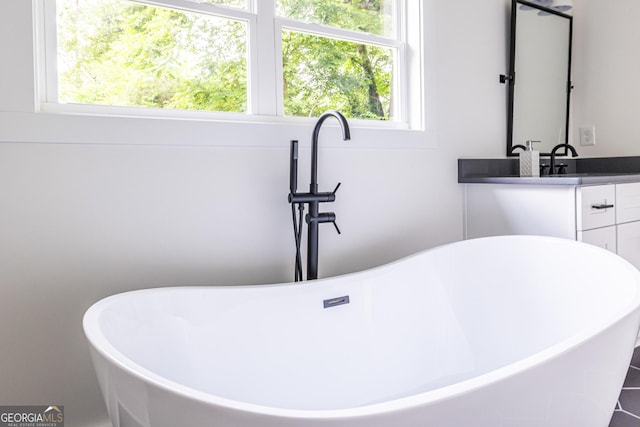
(507, 209)
(628, 237)
(604, 237)
(627, 202)
(595, 206)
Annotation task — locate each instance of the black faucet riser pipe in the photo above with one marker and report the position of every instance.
(312, 242)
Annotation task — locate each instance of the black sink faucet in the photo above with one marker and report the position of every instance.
(313, 198)
(552, 161)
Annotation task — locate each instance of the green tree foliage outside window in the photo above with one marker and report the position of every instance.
(321, 73)
(114, 52)
(117, 52)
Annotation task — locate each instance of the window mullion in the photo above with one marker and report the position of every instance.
(415, 96)
(340, 33)
(200, 7)
(401, 64)
(263, 48)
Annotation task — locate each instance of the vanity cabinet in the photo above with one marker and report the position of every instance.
(604, 215)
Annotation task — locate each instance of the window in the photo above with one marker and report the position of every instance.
(122, 53)
(251, 57)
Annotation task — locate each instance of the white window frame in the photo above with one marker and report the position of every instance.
(264, 47)
(26, 116)
(49, 72)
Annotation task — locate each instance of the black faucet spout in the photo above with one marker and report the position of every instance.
(346, 135)
(552, 160)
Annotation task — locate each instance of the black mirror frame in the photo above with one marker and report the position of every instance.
(511, 77)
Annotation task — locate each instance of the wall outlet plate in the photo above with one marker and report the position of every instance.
(588, 135)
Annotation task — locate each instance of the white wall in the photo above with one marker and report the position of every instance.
(605, 73)
(79, 222)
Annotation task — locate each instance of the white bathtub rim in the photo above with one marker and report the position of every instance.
(110, 353)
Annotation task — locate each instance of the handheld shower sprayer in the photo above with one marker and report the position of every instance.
(293, 167)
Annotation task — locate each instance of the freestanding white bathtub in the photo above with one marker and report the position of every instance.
(503, 331)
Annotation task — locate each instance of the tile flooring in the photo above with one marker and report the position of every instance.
(627, 412)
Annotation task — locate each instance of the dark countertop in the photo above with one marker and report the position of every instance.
(568, 179)
(582, 171)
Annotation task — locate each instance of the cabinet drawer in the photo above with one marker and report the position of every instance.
(604, 237)
(628, 202)
(595, 206)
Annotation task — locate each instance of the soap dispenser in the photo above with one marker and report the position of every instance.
(530, 160)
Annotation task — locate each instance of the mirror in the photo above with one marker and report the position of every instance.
(539, 76)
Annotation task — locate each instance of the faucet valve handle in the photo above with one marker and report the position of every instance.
(330, 217)
(336, 189)
(324, 217)
(336, 226)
